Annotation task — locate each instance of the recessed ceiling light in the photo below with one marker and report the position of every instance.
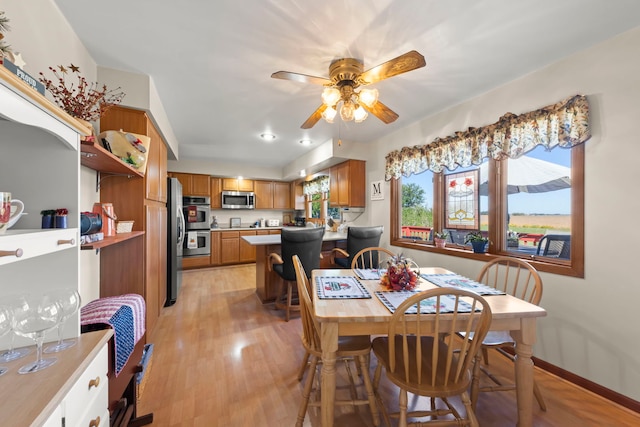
(268, 136)
(305, 141)
(303, 173)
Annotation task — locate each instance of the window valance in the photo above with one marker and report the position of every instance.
(316, 186)
(563, 124)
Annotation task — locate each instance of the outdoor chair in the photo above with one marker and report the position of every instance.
(555, 245)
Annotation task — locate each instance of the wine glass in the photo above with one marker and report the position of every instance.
(69, 301)
(32, 320)
(13, 353)
(5, 328)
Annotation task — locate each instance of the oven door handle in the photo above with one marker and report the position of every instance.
(182, 227)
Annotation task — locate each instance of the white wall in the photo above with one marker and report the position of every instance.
(591, 325)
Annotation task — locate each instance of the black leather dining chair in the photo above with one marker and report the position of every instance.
(358, 238)
(307, 244)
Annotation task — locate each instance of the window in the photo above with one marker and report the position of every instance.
(522, 186)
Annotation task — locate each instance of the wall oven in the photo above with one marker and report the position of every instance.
(197, 243)
(197, 212)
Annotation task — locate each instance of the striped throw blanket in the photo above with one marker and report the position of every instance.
(126, 315)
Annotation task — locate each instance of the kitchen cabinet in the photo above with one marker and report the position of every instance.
(247, 252)
(272, 194)
(229, 247)
(193, 184)
(195, 262)
(234, 184)
(138, 265)
(347, 186)
(214, 258)
(215, 185)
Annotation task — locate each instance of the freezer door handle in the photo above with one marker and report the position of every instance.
(181, 227)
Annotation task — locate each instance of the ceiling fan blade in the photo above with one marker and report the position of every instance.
(382, 112)
(302, 78)
(403, 63)
(313, 118)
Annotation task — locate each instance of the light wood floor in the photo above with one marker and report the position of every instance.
(221, 358)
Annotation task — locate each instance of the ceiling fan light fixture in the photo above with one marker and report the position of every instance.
(368, 97)
(347, 110)
(360, 115)
(330, 96)
(329, 114)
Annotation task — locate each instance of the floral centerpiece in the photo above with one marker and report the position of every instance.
(401, 274)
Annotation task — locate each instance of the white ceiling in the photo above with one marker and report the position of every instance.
(211, 60)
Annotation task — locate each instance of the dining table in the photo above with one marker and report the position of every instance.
(344, 316)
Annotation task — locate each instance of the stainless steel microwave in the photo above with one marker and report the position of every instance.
(238, 200)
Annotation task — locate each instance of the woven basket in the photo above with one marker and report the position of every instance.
(124, 226)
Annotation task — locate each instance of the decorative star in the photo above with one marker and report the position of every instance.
(74, 69)
(18, 61)
(62, 69)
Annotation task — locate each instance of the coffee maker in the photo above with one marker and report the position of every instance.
(300, 221)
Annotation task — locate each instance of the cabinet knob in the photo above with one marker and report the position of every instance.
(95, 422)
(94, 383)
(17, 253)
(69, 241)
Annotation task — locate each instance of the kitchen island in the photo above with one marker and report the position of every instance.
(268, 282)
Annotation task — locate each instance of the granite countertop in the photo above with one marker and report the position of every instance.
(274, 239)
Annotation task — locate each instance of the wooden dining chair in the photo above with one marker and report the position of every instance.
(420, 357)
(518, 278)
(350, 349)
(370, 257)
(358, 238)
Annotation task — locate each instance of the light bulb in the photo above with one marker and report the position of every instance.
(347, 110)
(330, 96)
(328, 114)
(368, 97)
(360, 114)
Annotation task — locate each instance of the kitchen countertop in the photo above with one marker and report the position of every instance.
(274, 239)
(249, 228)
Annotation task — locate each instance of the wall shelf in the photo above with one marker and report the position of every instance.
(113, 240)
(95, 157)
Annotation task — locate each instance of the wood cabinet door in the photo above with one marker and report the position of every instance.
(229, 247)
(281, 195)
(245, 185)
(185, 181)
(200, 185)
(155, 177)
(153, 254)
(264, 194)
(343, 184)
(247, 251)
(215, 248)
(229, 184)
(215, 186)
(334, 189)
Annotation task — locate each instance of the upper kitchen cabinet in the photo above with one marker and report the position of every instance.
(272, 194)
(234, 184)
(137, 121)
(348, 185)
(193, 184)
(216, 190)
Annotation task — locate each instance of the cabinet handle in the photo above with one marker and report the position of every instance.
(70, 242)
(94, 423)
(94, 383)
(17, 253)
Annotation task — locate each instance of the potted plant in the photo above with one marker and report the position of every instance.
(477, 240)
(440, 239)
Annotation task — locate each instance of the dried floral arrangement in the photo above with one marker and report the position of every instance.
(87, 101)
(4, 27)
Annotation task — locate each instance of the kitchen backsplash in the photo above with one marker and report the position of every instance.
(249, 217)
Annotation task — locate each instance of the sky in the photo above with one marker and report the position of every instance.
(550, 203)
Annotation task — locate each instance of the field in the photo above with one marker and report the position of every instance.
(534, 223)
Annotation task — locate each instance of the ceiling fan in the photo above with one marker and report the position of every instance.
(345, 76)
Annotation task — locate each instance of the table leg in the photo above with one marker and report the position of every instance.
(524, 338)
(329, 340)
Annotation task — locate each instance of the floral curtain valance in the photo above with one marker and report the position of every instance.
(565, 123)
(318, 185)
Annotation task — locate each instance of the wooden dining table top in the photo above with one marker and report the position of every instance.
(372, 310)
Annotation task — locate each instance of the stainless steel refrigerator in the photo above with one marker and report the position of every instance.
(175, 239)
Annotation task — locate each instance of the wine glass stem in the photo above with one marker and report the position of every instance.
(39, 341)
(60, 330)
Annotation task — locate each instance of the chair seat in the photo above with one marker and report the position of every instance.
(495, 338)
(342, 262)
(420, 383)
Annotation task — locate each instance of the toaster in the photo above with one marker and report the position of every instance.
(273, 223)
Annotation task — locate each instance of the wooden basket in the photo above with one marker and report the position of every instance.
(124, 226)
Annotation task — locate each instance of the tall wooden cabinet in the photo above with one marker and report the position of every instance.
(138, 264)
(348, 185)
